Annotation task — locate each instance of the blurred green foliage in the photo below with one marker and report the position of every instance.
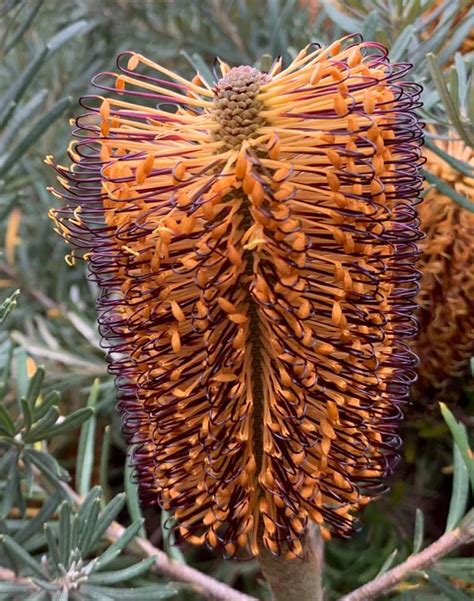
(48, 53)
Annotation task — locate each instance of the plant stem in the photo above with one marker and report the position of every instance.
(444, 545)
(296, 579)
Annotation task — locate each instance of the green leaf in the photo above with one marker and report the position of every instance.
(22, 380)
(68, 33)
(445, 587)
(86, 505)
(400, 45)
(14, 587)
(342, 20)
(18, 88)
(34, 524)
(43, 405)
(35, 384)
(117, 547)
(64, 542)
(144, 593)
(69, 423)
(104, 460)
(419, 533)
(7, 460)
(107, 516)
(42, 425)
(8, 305)
(27, 415)
(85, 452)
(461, 166)
(12, 492)
(22, 556)
(457, 567)
(6, 422)
(449, 104)
(123, 575)
(32, 135)
(131, 490)
(459, 434)
(196, 61)
(447, 190)
(388, 563)
(460, 491)
(25, 23)
(454, 41)
(52, 546)
(89, 525)
(48, 465)
(169, 539)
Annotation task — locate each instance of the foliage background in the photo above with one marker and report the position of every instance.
(48, 53)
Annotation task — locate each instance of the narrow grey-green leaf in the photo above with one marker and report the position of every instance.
(107, 516)
(27, 415)
(85, 452)
(89, 525)
(169, 539)
(123, 575)
(388, 563)
(64, 542)
(31, 136)
(460, 490)
(68, 33)
(15, 587)
(42, 425)
(344, 21)
(35, 523)
(52, 546)
(6, 421)
(35, 384)
(25, 23)
(71, 422)
(117, 547)
(18, 88)
(461, 166)
(447, 190)
(144, 593)
(43, 404)
(419, 533)
(451, 108)
(104, 462)
(459, 434)
(24, 558)
(48, 465)
(131, 490)
(445, 587)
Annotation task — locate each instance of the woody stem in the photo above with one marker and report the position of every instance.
(299, 579)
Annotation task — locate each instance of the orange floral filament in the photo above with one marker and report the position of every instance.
(255, 251)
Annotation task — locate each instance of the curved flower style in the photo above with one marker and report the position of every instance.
(446, 340)
(255, 248)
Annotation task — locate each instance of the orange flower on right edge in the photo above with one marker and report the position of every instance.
(446, 340)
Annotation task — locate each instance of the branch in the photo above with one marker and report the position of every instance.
(206, 585)
(461, 535)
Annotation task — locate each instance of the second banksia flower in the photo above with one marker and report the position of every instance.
(254, 242)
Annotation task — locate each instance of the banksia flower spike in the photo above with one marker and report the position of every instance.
(446, 340)
(254, 242)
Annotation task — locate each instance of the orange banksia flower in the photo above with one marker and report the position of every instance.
(446, 340)
(254, 242)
